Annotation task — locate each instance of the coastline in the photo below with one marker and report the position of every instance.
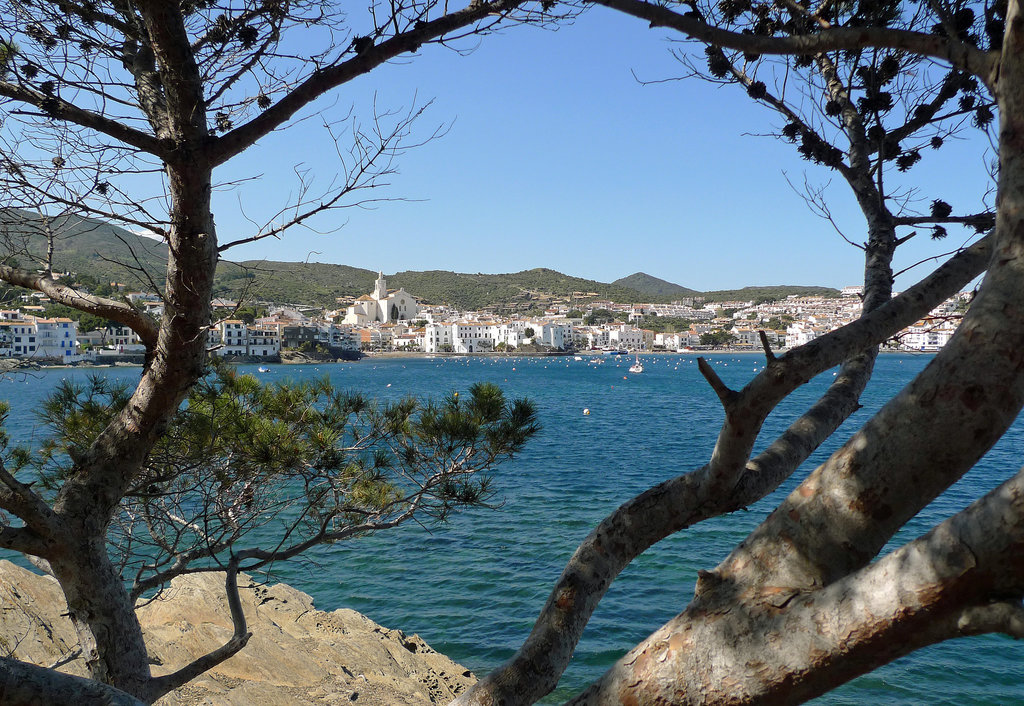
(387, 355)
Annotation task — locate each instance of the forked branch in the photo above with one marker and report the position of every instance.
(716, 488)
(239, 638)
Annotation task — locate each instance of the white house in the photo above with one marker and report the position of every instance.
(557, 334)
(263, 341)
(234, 338)
(53, 339)
(927, 335)
(629, 338)
(800, 332)
(437, 338)
(473, 336)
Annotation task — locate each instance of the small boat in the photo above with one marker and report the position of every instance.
(637, 367)
(261, 369)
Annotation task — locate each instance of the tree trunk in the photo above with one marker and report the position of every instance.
(100, 606)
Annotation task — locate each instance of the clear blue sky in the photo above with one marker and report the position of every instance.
(558, 157)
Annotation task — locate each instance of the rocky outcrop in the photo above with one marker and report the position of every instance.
(298, 655)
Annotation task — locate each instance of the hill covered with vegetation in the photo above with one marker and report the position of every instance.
(99, 253)
(766, 294)
(648, 284)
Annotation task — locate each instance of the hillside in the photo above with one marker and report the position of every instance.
(85, 246)
(105, 253)
(646, 284)
(291, 282)
(760, 294)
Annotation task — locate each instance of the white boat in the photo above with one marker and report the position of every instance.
(637, 367)
(261, 369)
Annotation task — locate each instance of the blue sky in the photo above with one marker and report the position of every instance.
(556, 156)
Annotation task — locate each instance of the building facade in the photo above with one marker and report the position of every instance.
(382, 306)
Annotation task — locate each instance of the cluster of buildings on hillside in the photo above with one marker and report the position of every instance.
(392, 319)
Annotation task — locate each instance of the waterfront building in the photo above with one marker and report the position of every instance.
(437, 338)
(234, 338)
(43, 339)
(263, 341)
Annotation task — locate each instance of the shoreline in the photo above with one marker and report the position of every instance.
(387, 355)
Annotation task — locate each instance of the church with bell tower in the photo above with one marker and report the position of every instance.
(382, 306)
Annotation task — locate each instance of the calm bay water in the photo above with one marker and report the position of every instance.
(472, 588)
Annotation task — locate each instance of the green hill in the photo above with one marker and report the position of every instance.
(314, 283)
(103, 253)
(646, 284)
(85, 246)
(773, 293)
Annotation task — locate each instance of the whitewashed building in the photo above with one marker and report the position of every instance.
(629, 338)
(928, 335)
(437, 338)
(557, 334)
(263, 341)
(49, 339)
(382, 306)
(234, 338)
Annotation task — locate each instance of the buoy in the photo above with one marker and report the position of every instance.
(586, 410)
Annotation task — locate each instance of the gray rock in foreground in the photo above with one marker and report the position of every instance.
(298, 655)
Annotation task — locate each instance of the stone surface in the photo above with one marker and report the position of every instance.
(298, 655)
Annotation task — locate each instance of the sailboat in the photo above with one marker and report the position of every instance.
(637, 367)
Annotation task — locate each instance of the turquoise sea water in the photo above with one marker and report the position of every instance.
(472, 588)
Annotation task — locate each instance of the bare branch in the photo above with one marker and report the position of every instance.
(20, 499)
(710, 491)
(121, 312)
(60, 109)
(766, 346)
(726, 396)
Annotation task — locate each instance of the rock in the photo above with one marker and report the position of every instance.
(298, 655)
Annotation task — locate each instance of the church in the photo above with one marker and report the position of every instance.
(382, 306)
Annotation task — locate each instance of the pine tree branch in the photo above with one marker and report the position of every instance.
(235, 141)
(60, 109)
(24, 684)
(159, 686)
(963, 56)
(709, 491)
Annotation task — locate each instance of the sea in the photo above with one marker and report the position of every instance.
(473, 586)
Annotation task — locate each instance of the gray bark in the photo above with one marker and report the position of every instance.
(28, 685)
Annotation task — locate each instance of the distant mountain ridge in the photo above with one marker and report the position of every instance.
(108, 253)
